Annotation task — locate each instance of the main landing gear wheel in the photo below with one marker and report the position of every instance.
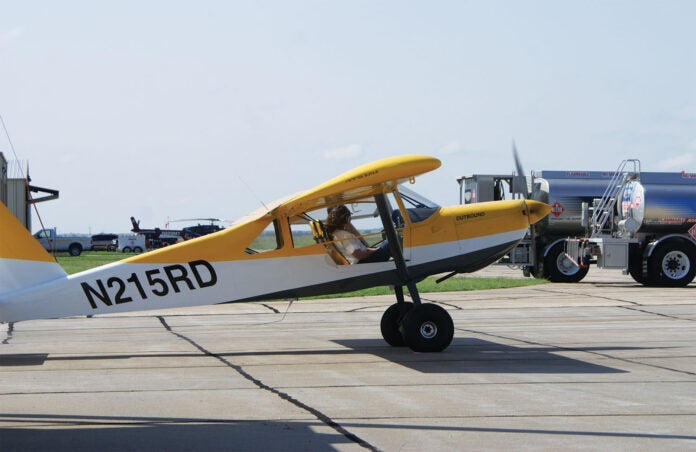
(391, 321)
(427, 328)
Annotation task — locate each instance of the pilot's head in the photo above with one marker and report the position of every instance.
(338, 215)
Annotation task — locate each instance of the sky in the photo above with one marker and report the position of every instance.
(168, 110)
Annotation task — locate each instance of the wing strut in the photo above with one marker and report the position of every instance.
(396, 252)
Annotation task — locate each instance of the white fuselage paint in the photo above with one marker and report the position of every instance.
(122, 287)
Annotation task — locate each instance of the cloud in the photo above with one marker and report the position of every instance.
(344, 153)
(452, 147)
(678, 162)
(6, 37)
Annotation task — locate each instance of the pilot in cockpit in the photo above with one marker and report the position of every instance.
(353, 247)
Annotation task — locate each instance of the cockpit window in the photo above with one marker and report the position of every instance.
(415, 200)
(270, 239)
(418, 207)
(364, 217)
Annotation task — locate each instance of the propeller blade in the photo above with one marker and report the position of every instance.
(520, 181)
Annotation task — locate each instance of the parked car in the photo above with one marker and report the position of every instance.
(104, 242)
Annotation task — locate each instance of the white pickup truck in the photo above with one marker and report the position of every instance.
(72, 243)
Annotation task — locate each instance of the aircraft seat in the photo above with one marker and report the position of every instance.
(320, 236)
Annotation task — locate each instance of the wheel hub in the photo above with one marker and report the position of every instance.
(566, 265)
(428, 330)
(676, 264)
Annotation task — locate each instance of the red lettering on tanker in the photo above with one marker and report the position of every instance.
(692, 231)
(637, 200)
(557, 209)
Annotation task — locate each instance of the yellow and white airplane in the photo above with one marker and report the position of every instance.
(283, 251)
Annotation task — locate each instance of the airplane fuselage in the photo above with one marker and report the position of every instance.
(461, 238)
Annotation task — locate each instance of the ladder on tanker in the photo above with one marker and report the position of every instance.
(604, 208)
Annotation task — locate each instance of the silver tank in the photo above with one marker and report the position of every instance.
(565, 191)
(660, 202)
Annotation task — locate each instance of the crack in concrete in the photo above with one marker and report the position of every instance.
(283, 395)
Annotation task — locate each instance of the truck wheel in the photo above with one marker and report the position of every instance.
(126, 249)
(137, 250)
(559, 268)
(635, 264)
(672, 264)
(75, 249)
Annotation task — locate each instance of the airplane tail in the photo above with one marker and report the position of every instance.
(23, 261)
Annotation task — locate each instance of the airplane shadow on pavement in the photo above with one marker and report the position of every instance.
(113, 433)
(470, 355)
(464, 355)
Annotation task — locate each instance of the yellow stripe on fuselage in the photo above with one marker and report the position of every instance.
(226, 245)
(448, 224)
(470, 221)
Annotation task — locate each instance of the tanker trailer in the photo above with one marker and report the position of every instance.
(596, 218)
(656, 214)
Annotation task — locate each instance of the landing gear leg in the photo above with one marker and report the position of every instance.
(422, 327)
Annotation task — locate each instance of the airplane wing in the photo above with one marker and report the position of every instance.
(361, 182)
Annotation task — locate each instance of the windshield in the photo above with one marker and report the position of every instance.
(418, 207)
(414, 199)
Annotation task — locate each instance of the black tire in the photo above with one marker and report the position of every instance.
(635, 264)
(126, 249)
(391, 323)
(137, 250)
(558, 268)
(672, 264)
(75, 249)
(427, 328)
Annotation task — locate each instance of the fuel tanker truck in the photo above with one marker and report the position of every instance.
(643, 223)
